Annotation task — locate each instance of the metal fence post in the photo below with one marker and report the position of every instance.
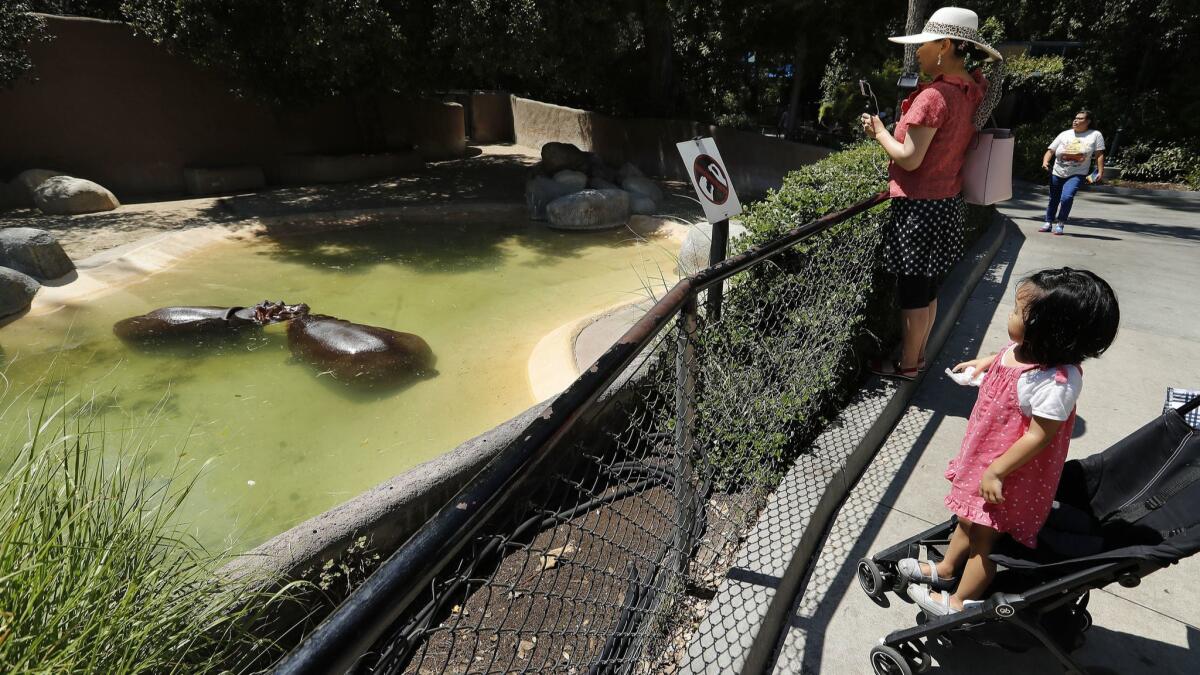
(685, 420)
(717, 252)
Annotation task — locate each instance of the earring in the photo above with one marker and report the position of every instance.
(939, 59)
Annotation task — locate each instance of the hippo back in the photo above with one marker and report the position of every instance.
(357, 352)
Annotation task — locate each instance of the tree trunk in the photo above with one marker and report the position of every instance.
(918, 12)
(797, 86)
(660, 51)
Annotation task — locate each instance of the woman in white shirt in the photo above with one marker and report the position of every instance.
(1072, 152)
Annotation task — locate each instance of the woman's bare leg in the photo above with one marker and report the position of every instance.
(956, 552)
(932, 309)
(915, 325)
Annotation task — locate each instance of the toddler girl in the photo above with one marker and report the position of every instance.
(1005, 475)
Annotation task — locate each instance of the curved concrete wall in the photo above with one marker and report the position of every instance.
(115, 108)
(756, 163)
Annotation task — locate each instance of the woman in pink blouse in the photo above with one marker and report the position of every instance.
(924, 237)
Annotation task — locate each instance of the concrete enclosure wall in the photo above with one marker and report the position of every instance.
(115, 108)
(756, 163)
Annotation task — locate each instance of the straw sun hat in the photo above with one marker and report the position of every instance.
(954, 23)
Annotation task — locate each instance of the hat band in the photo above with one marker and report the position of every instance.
(952, 29)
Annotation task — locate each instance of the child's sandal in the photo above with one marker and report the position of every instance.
(910, 568)
(924, 599)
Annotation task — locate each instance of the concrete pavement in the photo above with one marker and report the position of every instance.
(1148, 247)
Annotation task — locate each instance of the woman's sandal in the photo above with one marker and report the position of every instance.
(910, 568)
(892, 369)
(940, 607)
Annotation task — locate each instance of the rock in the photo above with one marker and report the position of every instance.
(643, 186)
(33, 252)
(628, 170)
(30, 179)
(597, 183)
(693, 255)
(572, 179)
(590, 210)
(641, 204)
(16, 291)
(559, 156)
(540, 191)
(596, 168)
(67, 196)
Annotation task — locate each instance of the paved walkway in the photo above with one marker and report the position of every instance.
(1148, 248)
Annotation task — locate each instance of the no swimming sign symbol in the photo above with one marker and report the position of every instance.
(710, 178)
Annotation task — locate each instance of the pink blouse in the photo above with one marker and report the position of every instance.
(948, 106)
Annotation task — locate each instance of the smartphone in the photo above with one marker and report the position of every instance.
(908, 81)
(865, 88)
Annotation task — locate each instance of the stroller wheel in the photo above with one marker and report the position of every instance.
(887, 660)
(870, 578)
(922, 618)
(1085, 620)
(918, 657)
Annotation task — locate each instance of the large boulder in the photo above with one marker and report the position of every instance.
(558, 156)
(599, 183)
(540, 191)
(30, 179)
(572, 179)
(68, 196)
(694, 254)
(590, 210)
(33, 252)
(596, 168)
(643, 186)
(16, 291)
(628, 170)
(641, 204)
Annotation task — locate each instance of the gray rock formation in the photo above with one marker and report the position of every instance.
(643, 186)
(559, 156)
(66, 196)
(572, 179)
(598, 183)
(641, 204)
(590, 210)
(628, 170)
(30, 179)
(33, 252)
(540, 191)
(16, 291)
(596, 168)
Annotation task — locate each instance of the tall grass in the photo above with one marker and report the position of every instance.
(96, 572)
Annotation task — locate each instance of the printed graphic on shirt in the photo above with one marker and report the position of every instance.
(1073, 152)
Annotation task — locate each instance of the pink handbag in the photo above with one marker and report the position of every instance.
(987, 170)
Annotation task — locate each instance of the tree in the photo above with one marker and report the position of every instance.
(17, 29)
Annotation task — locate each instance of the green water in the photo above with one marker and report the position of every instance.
(283, 443)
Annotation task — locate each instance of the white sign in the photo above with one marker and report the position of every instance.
(710, 179)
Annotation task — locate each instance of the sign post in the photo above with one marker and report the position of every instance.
(711, 181)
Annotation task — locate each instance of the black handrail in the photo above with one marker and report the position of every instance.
(350, 631)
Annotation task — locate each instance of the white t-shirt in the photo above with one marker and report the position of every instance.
(1040, 393)
(1073, 152)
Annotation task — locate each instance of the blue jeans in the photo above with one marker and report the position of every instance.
(1062, 194)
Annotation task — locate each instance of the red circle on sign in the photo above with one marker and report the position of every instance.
(710, 179)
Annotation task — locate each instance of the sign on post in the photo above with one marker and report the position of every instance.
(710, 178)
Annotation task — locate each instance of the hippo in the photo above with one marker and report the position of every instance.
(356, 353)
(178, 322)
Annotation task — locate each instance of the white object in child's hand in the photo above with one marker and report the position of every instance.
(968, 377)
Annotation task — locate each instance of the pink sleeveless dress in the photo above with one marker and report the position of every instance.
(996, 423)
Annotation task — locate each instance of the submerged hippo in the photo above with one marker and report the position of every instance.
(354, 352)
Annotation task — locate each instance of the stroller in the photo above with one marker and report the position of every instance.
(1119, 515)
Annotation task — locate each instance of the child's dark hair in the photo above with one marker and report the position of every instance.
(1070, 315)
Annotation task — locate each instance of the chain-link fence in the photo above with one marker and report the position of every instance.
(588, 545)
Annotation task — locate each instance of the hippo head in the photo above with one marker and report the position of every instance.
(267, 312)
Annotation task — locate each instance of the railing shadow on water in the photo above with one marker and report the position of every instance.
(582, 544)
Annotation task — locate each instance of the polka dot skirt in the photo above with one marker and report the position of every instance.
(924, 236)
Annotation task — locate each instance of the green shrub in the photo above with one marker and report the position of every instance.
(17, 29)
(1161, 162)
(95, 574)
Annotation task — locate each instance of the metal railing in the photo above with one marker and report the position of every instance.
(584, 545)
